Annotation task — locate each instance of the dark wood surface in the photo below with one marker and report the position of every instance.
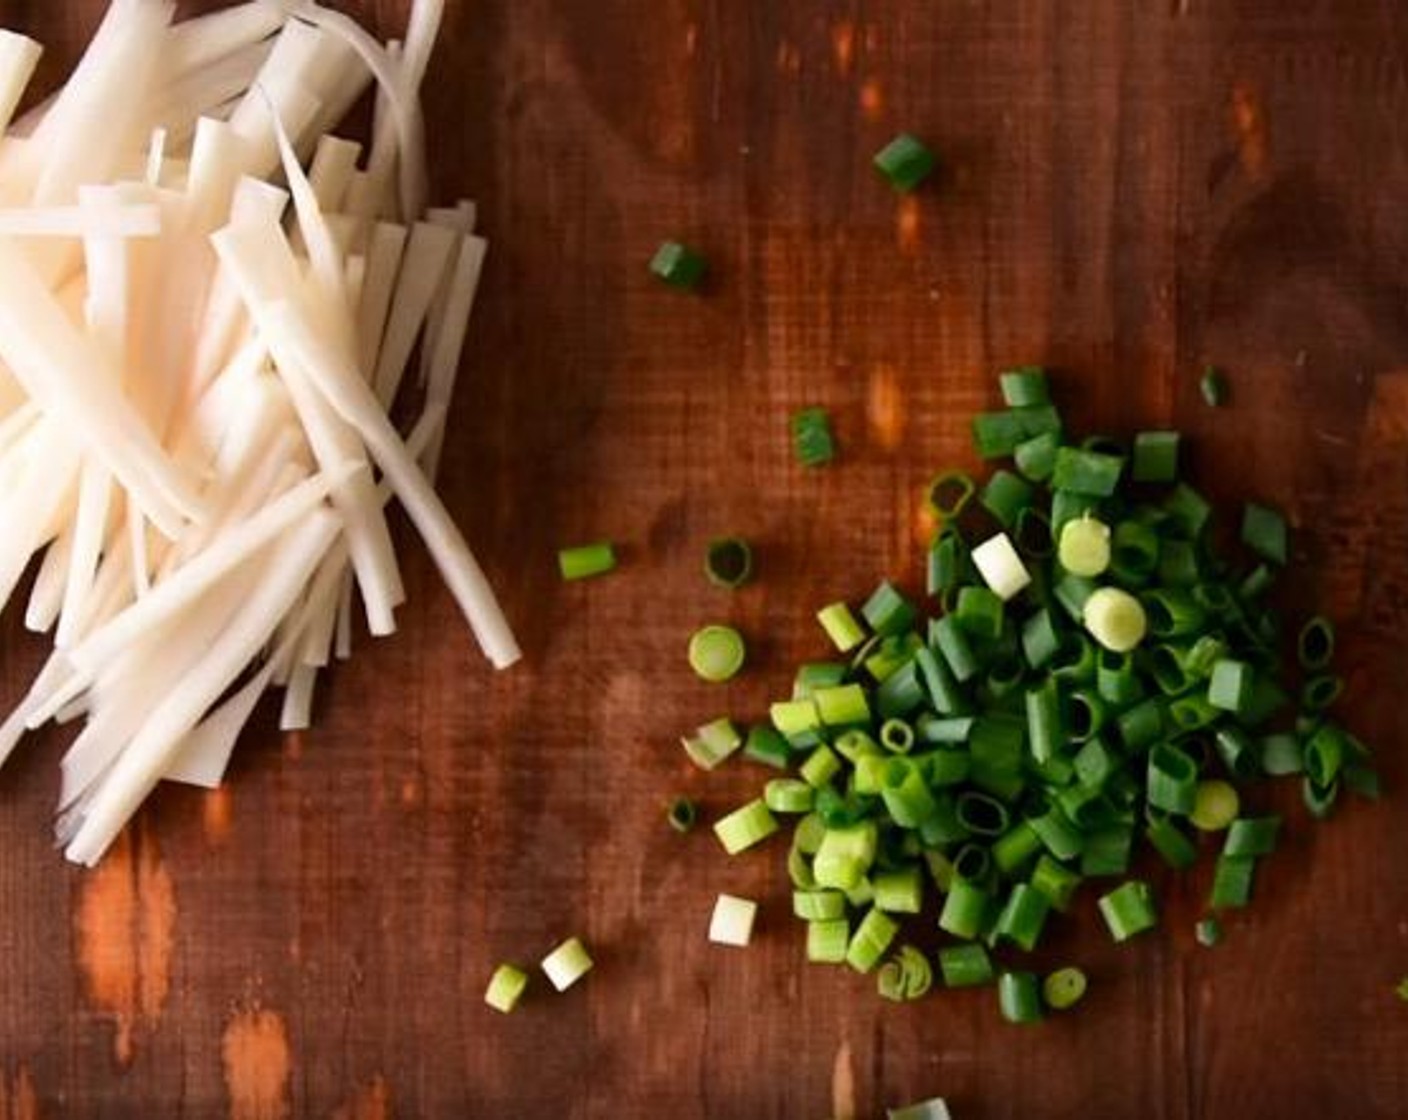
(1131, 189)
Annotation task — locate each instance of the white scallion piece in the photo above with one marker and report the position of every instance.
(1001, 568)
(732, 921)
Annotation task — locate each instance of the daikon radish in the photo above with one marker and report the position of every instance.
(197, 43)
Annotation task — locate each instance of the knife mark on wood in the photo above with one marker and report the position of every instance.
(843, 1084)
(125, 924)
(1249, 127)
(215, 815)
(257, 1066)
(843, 46)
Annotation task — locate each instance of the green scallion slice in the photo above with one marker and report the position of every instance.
(716, 653)
(729, 562)
(506, 988)
(586, 560)
(905, 162)
(1064, 988)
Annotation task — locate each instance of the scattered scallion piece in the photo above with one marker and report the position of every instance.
(586, 560)
(506, 988)
(1128, 910)
(678, 265)
(716, 653)
(1215, 806)
(932, 1109)
(1402, 990)
(907, 975)
(1019, 997)
(870, 940)
(1264, 532)
(827, 941)
(764, 744)
(1084, 549)
(745, 827)
(729, 562)
(567, 964)
(1213, 386)
(712, 743)
(682, 814)
(905, 162)
(813, 445)
(1315, 645)
(1064, 988)
(1208, 932)
(1232, 881)
(949, 494)
(1000, 566)
(841, 627)
(1115, 619)
(732, 921)
(1155, 457)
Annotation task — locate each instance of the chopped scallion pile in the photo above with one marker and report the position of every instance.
(1064, 706)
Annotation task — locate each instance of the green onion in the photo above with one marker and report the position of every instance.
(965, 911)
(1172, 783)
(1022, 919)
(1115, 619)
(1209, 932)
(682, 814)
(1189, 509)
(728, 562)
(1056, 882)
(949, 563)
(1252, 836)
(1107, 851)
(1213, 386)
(765, 745)
(716, 653)
(979, 613)
(1040, 642)
(1232, 881)
(712, 743)
(1085, 546)
(1000, 566)
(1325, 754)
(887, 611)
(905, 976)
(1128, 910)
(906, 794)
(1024, 386)
(678, 265)
(827, 941)
(745, 827)
(1014, 848)
(965, 966)
(905, 162)
(845, 855)
(506, 988)
(1282, 754)
(1214, 806)
(586, 560)
(1136, 553)
(1315, 645)
(1264, 532)
(1006, 496)
(1320, 800)
(841, 626)
(932, 1109)
(896, 736)
(567, 964)
(953, 644)
(1019, 997)
(1064, 988)
(950, 493)
(813, 445)
(1170, 842)
(1231, 685)
(818, 906)
(900, 891)
(1044, 731)
(1155, 457)
(1237, 751)
(870, 940)
(1116, 680)
(732, 921)
(1092, 473)
(1036, 457)
(1320, 692)
(789, 795)
(795, 719)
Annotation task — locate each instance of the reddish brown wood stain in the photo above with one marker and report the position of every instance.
(18, 1099)
(125, 932)
(257, 1065)
(372, 1102)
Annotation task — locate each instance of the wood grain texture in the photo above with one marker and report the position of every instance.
(1131, 188)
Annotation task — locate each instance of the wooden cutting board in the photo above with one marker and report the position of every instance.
(1130, 190)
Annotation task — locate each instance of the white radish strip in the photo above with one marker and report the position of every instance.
(65, 373)
(297, 713)
(102, 114)
(19, 56)
(435, 316)
(195, 93)
(156, 154)
(334, 161)
(152, 669)
(342, 643)
(428, 254)
(449, 340)
(47, 594)
(94, 497)
(354, 401)
(194, 44)
(14, 427)
(217, 162)
(400, 88)
(205, 753)
(137, 542)
(148, 755)
(387, 244)
(259, 261)
(195, 578)
(79, 221)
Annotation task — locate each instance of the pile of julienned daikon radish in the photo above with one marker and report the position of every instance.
(199, 345)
